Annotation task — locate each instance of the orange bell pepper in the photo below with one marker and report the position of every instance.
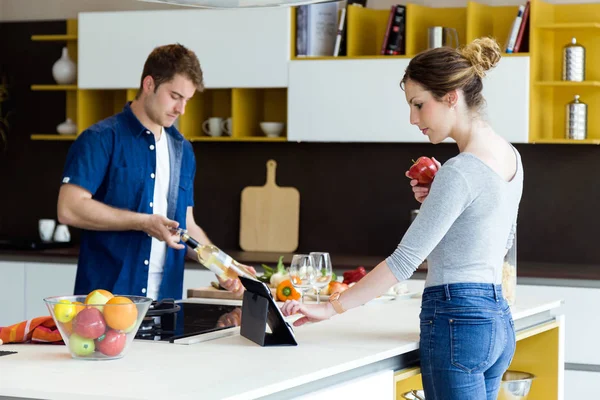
(285, 291)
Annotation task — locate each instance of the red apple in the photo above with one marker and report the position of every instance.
(89, 323)
(112, 343)
(423, 170)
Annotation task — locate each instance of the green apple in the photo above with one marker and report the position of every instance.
(81, 346)
(64, 311)
(98, 298)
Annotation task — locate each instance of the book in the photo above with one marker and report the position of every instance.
(522, 42)
(394, 42)
(316, 29)
(343, 51)
(514, 31)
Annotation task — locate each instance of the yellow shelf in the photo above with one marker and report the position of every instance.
(565, 141)
(571, 25)
(53, 38)
(239, 139)
(53, 137)
(568, 83)
(53, 87)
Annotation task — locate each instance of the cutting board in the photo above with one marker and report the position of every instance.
(270, 216)
(210, 292)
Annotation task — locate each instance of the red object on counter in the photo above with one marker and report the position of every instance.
(354, 275)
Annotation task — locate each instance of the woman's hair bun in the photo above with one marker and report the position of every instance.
(483, 54)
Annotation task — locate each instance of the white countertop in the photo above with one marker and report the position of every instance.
(227, 368)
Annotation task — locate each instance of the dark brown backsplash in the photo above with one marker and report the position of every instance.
(354, 197)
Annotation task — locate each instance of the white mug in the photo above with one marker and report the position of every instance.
(46, 229)
(226, 126)
(212, 126)
(62, 234)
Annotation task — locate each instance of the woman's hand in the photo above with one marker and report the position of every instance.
(311, 312)
(421, 191)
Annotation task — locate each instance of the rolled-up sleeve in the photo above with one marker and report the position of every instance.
(88, 160)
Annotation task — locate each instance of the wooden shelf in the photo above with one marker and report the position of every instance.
(565, 141)
(568, 83)
(372, 57)
(53, 137)
(53, 38)
(53, 87)
(239, 139)
(571, 25)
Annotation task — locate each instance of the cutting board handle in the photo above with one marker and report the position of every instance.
(271, 167)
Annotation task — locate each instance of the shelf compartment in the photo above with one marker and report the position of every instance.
(420, 18)
(53, 38)
(365, 31)
(202, 106)
(96, 105)
(53, 87)
(240, 139)
(253, 106)
(548, 113)
(53, 137)
(484, 20)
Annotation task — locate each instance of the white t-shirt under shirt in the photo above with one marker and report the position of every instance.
(158, 250)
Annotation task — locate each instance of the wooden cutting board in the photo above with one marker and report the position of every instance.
(212, 293)
(270, 216)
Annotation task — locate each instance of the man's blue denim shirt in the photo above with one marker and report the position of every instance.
(115, 160)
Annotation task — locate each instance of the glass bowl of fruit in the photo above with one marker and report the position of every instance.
(99, 326)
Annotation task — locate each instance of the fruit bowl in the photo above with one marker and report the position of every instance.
(99, 326)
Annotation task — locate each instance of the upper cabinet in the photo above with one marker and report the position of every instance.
(361, 101)
(113, 46)
(349, 101)
(507, 107)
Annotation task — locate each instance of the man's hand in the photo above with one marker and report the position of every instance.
(162, 229)
(235, 285)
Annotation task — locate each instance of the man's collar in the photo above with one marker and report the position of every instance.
(137, 128)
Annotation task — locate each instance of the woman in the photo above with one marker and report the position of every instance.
(466, 223)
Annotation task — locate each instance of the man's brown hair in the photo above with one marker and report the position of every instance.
(167, 61)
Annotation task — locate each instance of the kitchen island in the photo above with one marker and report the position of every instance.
(369, 352)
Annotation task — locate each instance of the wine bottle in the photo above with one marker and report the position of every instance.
(216, 260)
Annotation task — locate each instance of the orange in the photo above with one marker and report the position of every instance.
(120, 313)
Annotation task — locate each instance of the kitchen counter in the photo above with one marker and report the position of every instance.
(525, 269)
(374, 343)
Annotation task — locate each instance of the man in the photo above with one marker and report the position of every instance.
(129, 180)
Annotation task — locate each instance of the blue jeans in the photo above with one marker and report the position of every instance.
(467, 341)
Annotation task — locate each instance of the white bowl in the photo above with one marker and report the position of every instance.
(272, 129)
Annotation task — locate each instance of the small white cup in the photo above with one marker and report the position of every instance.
(226, 126)
(46, 229)
(212, 126)
(62, 234)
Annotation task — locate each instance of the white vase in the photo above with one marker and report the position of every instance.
(67, 128)
(64, 69)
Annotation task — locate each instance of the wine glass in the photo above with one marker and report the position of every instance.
(324, 270)
(302, 273)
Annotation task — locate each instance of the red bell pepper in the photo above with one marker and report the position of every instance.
(354, 275)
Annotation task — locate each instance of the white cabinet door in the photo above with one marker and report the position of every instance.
(45, 280)
(239, 48)
(581, 326)
(361, 101)
(506, 91)
(349, 101)
(12, 297)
